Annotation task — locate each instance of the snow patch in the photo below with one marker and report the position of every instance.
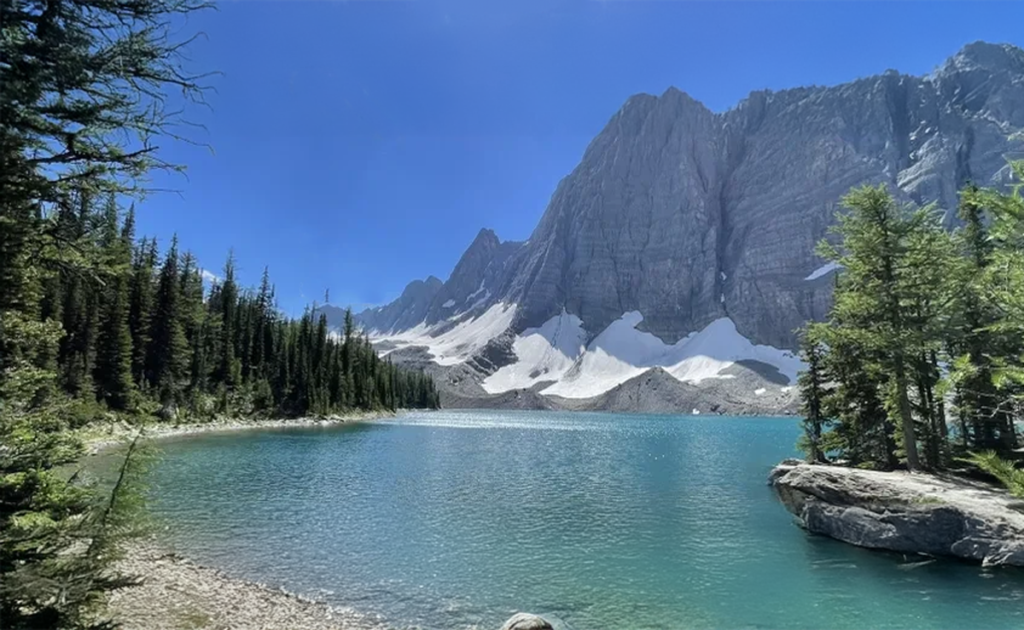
(544, 354)
(823, 270)
(451, 346)
(760, 391)
(480, 302)
(448, 304)
(622, 352)
(479, 290)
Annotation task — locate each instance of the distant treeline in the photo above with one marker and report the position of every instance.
(140, 331)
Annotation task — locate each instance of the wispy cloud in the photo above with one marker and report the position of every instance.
(209, 276)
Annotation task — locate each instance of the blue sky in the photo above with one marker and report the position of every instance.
(359, 145)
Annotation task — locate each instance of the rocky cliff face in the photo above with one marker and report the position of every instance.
(688, 216)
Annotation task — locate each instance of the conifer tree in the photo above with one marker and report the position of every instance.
(978, 338)
(168, 354)
(229, 369)
(812, 392)
(887, 309)
(140, 308)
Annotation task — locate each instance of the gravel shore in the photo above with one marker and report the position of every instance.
(103, 436)
(178, 594)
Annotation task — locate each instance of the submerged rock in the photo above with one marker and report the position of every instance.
(935, 515)
(526, 621)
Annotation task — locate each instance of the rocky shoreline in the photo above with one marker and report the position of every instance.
(926, 514)
(176, 593)
(102, 437)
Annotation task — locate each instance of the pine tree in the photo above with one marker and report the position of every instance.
(349, 362)
(113, 371)
(974, 340)
(140, 308)
(168, 354)
(887, 302)
(229, 369)
(812, 392)
(81, 102)
(79, 308)
(114, 356)
(194, 327)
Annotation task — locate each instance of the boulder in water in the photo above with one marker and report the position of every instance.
(526, 621)
(933, 515)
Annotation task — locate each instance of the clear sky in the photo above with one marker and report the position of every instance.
(359, 145)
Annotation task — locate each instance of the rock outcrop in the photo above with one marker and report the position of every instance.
(656, 391)
(910, 513)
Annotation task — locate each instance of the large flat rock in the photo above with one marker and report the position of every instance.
(935, 515)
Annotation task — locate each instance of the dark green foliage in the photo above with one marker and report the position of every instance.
(167, 358)
(925, 325)
(140, 307)
(1003, 470)
(87, 322)
(812, 392)
(113, 372)
(158, 338)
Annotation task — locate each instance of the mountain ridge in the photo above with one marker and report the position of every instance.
(687, 216)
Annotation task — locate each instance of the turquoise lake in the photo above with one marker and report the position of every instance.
(454, 520)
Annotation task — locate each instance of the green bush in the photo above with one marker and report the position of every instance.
(1003, 470)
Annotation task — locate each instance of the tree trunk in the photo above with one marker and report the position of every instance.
(906, 417)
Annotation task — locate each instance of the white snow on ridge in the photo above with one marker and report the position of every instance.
(454, 346)
(622, 352)
(544, 354)
(557, 351)
(823, 270)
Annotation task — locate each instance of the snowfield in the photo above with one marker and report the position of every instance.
(558, 351)
(622, 352)
(823, 270)
(461, 341)
(545, 354)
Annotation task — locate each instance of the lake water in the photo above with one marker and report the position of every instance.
(457, 519)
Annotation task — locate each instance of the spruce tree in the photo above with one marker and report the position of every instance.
(229, 369)
(140, 309)
(81, 105)
(113, 373)
(169, 349)
(886, 307)
(978, 338)
(811, 384)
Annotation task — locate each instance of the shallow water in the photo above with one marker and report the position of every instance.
(457, 519)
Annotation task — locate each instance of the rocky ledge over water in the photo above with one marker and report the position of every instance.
(932, 515)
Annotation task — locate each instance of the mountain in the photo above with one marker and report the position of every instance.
(683, 242)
